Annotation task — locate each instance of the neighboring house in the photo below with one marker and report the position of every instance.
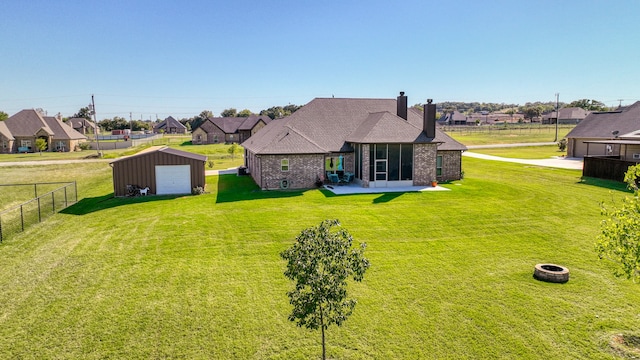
(380, 142)
(163, 170)
(228, 129)
(20, 132)
(82, 125)
(170, 126)
(571, 115)
(455, 118)
(609, 142)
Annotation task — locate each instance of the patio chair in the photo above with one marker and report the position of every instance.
(334, 179)
(347, 178)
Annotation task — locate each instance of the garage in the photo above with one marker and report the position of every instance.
(173, 179)
(165, 171)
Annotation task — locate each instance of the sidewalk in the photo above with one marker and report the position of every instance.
(558, 162)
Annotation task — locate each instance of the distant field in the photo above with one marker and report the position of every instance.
(486, 135)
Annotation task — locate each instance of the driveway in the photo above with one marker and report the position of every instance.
(556, 162)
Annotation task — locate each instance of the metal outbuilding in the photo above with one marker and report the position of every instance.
(164, 170)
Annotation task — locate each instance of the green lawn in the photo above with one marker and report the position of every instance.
(199, 277)
(487, 135)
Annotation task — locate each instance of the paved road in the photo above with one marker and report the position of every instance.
(52, 162)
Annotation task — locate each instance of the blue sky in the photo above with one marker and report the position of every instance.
(181, 57)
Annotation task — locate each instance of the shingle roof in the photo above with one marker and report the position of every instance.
(568, 113)
(250, 122)
(62, 131)
(169, 123)
(4, 131)
(602, 124)
(81, 123)
(326, 124)
(26, 123)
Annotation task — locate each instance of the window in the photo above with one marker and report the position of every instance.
(199, 138)
(4, 144)
(284, 164)
(25, 143)
(439, 165)
(61, 146)
(215, 139)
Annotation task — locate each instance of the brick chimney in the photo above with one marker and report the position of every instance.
(429, 119)
(402, 105)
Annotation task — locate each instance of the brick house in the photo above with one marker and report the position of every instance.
(83, 126)
(382, 142)
(19, 133)
(228, 129)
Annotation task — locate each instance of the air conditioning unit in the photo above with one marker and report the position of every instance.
(636, 156)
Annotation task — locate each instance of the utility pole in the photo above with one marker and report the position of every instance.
(92, 107)
(557, 115)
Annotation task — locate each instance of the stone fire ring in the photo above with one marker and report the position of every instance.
(551, 273)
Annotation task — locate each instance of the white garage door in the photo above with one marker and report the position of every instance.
(173, 179)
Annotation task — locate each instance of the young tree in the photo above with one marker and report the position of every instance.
(41, 145)
(320, 261)
(233, 149)
(619, 239)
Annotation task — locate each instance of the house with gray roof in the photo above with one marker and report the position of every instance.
(570, 115)
(82, 125)
(609, 141)
(169, 126)
(19, 133)
(371, 142)
(228, 129)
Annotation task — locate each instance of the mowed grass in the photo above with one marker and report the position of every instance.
(485, 135)
(199, 277)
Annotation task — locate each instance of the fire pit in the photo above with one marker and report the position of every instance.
(551, 273)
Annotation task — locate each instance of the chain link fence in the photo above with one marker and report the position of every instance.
(17, 218)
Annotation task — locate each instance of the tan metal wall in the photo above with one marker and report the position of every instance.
(140, 170)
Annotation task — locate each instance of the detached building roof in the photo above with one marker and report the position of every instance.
(327, 125)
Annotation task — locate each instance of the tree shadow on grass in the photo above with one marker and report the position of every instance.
(108, 201)
(232, 188)
(386, 197)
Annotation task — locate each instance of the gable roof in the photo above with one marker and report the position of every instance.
(574, 113)
(252, 120)
(28, 123)
(169, 122)
(4, 131)
(62, 131)
(231, 125)
(325, 125)
(77, 123)
(603, 124)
